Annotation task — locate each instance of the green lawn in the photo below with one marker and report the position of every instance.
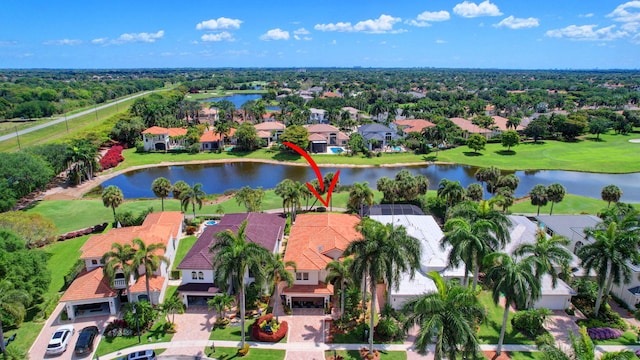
(154, 335)
(225, 353)
(183, 248)
(525, 355)
(230, 332)
(355, 354)
(571, 204)
(490, 329)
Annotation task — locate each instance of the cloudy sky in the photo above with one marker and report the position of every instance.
(505, 34)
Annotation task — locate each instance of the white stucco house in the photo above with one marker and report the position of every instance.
(162, 139)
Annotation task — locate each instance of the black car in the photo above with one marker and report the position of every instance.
(84, 345)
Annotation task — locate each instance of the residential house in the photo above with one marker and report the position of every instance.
(353, 112)
(211, 140)
(317, 116)
(198, 275)
(377, 135)
(162, 139)
(92, 293)
(323, 135)
(316, 240)
(570, 226)
(469, 128)
(208, 115)
(270, 131)
(412, 125)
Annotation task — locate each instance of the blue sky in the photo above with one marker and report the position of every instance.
(505, 34)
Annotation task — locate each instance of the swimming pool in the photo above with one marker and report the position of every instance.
(210, 223)
(336, 150)
(396, 148)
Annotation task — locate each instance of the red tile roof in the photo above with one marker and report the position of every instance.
(313, 235)
(321, 128)
(212, 136)
(468, 126)
(501, 123)
(317, 137)
(321, 288)
(414, 125)
(270, 125)
(89, 285)
(155, 284)
(157, 130)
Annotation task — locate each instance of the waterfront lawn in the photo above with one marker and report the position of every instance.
(253, 354)
(355, 354)
(490, 329)
(183, 248)
(156, 334)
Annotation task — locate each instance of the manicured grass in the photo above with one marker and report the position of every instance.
(232, 333)
(571, 204)
(490, 329)
(154, 335)
(526, 355)
(183, 248)
(355, 354)
(225, 353)
(628, 338)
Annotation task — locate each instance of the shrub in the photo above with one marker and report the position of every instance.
(545, 339)
(139, 146)
(530, 321)
(243, 351)
(605, 333)
(388, 328)
(597, 323)
(112, 158)
(278, 332)
(190, 230)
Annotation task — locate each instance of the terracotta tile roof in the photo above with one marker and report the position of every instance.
(330, 94)
(262, 229)
(157, 228)
(317, 137)
(263, 134)
(343, 136)
(89, 285)
(321, 288)
(270, 125)
(321, 128)
(157, 130)
(501, 123)
(155, 284)
(414, 125)
(313, 235)
(212, 136)
(467, 125)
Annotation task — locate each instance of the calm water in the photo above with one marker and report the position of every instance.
(216, 178)
(237, 99)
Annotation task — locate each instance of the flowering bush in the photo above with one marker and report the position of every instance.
(604, 333)
(258, 333)
(112, 158)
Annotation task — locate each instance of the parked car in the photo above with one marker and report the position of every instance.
(60, 340)
(142, 355)
(84, 345)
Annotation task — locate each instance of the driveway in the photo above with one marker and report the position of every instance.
(195, 324)
(39, 346)
(560, 324)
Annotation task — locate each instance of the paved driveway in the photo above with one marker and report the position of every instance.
(560, 324)
(195, 324)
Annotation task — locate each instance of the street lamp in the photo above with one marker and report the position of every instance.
(133, 310)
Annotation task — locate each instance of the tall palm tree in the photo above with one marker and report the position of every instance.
(513, 278)
(233, 257)
(145, 256)
(451, 313)
(192, 196)
(339, 274)
(120, 257)
(474, 192)
(12, 302)
(547, 252)
(112, 197)
(484, 210)
(384, 252)
(470, 243)
(538, 195)
(285, 189)
(328, 178)
(161, 188)
(276, 271)
(178, 188)
(222, 128)
(452, 191)
(171, 305)
(359, 195)
(555, 194)
(221, 303)
(611, 193)
(612, 253)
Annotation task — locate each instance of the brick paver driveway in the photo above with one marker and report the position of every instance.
(195, 324)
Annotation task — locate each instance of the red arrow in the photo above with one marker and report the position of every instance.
(315, 168)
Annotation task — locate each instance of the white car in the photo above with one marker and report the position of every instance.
(60, 340)
(142, 355)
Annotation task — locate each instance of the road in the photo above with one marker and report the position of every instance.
(70, 117)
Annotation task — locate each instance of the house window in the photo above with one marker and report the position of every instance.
(193, 275)
(333, 139)
(94, 262)
(387, 137)
(302, 276)
(200, 275)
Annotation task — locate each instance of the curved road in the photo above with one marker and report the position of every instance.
(63, 118)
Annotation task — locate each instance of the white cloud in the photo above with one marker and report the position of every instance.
(622, 13)
(383, 24)
(8, 43)
(631, 27)
(301, 31)
(99, 41)
(440, 41)
(424, 18)
(586, 15)
(512, 22)
(587, 32)
(470, 10)
(275, 34)
(70, 42)
(220, 23)
(223, 36)
(139, 37)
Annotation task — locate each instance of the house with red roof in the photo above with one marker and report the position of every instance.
(92, 293)
(413, 125)
(162, 139)
(314, 241)
(323, 135)
(198, 275)
(470, 128)
(270, 131)
(211, 140)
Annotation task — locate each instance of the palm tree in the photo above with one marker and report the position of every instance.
(222, 303)
(285, 189)
(451, 314)
(547, 252)
(112, 197)
(555, 194)
(359, 195)
(538, 195)
(474, 192)
(328, 178)
(120, 257)
(276, 271)
(484, 210)
(384, 252)
(233, 257)
(146, 257)
(488, 175)
(12, 302)
(339, 274)
(515, 279)
(451, 191)
(611, 193)
(161, 188)
(470, 243)
(178, 188)
(172, 305)
(192, 196)
(222, 127)
(612, 253)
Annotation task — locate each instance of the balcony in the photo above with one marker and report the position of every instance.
(119, 283)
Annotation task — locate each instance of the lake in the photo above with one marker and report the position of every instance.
(217, 178)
